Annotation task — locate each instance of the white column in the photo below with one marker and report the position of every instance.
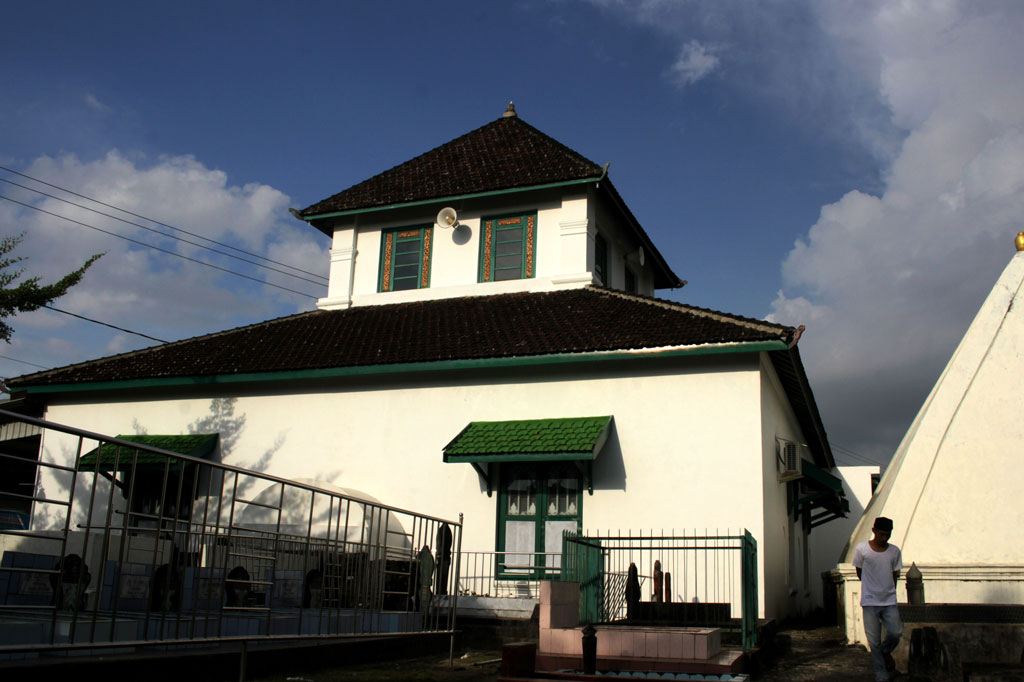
(577, 228)
(576, 239)
(343, 261)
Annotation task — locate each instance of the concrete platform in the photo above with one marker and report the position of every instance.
(729, 661)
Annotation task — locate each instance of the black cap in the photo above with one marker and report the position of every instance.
(882, 523)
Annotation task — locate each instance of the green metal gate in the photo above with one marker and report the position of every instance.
(583, 562)
(748, 554)
(713, 577)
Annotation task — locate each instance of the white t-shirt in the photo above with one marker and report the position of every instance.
(876, 569)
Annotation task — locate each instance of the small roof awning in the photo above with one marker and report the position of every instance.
(819, 497)
(194, 445)
(570, 439)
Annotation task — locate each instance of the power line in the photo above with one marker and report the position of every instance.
(105, 324)
(157, 248)
(170, 236)
(847, 452)
(24, 362)
(858, 458)
(87, 319)
(157, 222)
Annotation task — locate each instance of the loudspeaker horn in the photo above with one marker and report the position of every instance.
(447, 217)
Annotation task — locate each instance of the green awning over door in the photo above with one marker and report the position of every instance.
(530, 440)
(566, 439)
(821, 497)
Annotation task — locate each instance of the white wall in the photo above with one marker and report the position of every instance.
(786, 580)
(564, 257)
(828, 542)
(686, 451)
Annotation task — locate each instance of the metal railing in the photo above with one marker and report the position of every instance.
(506, 574)
(698, 579)
(121, 544)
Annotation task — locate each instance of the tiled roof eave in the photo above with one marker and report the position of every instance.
(80, 385)
(665, 277)
(441, 198)
(793, 377)
(18, 384)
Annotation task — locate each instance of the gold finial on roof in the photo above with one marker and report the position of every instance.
(510, 112)
(1019, 241)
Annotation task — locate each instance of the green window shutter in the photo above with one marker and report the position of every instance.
(405, 258)
(508, 247)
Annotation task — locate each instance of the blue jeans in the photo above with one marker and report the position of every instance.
(875, 617)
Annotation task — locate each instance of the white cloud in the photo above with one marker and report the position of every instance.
(694, 63)
(143, 289)
(902, 273)
(95, 104)
(177, 190)
(889, 277)
(799, 309)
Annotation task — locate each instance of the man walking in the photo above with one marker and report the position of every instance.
(878, 565)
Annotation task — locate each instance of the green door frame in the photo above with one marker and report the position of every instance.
(543, 472)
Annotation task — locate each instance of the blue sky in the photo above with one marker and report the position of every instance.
(854, 167)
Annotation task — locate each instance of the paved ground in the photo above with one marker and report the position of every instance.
(474, 666)
(811, 655)
(819, 655)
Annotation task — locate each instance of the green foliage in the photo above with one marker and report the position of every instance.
(28, 294)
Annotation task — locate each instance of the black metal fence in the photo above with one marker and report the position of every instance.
(700, 579)
(123, 544)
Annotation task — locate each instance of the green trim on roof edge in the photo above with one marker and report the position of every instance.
(436, 200)
(674, 282)
(399, 368)
(522, 457)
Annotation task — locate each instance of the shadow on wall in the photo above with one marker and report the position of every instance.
(54, 484)
(609, 470)
(608, 473)
(1007, 592)
(222, 420)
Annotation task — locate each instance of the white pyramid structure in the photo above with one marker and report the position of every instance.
(955, 486)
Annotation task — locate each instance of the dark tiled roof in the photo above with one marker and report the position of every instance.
(479, 327)
(504, 154)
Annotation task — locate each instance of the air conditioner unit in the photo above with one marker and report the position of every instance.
(790, 460)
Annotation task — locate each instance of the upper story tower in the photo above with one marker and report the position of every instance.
(533, 215)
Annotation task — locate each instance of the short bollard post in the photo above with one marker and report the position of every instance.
(589, 650)
(915, 585)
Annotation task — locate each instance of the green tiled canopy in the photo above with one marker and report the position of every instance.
(573, 438)
(196, 445)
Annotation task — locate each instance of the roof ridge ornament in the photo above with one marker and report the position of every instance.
(510, 111)
(1019, 241)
